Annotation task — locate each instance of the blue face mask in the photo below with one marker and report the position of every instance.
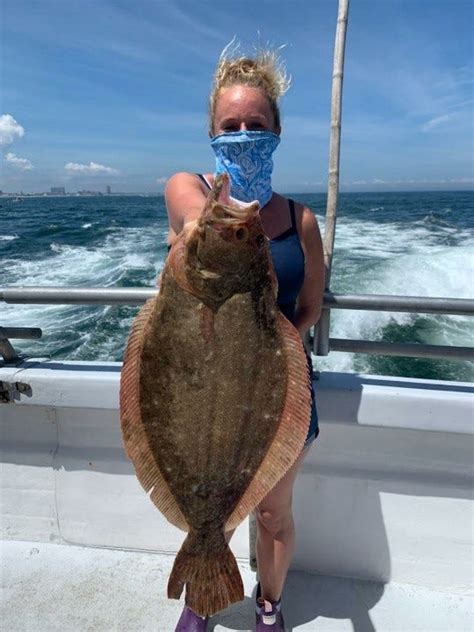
(247, 158)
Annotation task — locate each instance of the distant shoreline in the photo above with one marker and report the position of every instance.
(7, 196)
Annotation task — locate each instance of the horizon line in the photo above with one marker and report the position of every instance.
(161, 193)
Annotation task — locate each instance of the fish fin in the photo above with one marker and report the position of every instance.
(292, 431)
(134, 437)
(212, 578)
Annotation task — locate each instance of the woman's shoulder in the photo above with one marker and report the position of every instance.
(180, 178)
(188, 180)
(304, 215)
(190, 176)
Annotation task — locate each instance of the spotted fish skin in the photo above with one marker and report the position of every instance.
(215, 399)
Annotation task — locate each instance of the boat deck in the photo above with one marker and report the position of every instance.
(62, 588)
(384, 496)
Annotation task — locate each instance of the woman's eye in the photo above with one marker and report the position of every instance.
(256, 125)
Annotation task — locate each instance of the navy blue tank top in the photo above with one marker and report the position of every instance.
(288, 261)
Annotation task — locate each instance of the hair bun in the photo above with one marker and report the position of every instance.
(263, 70)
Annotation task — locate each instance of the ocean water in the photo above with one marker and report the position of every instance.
(386, 243)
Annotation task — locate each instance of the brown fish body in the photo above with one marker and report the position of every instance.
(214, 394)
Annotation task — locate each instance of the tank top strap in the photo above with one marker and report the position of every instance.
(292, 215)
(203, 179)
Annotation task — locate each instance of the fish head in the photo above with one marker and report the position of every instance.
(227, 251)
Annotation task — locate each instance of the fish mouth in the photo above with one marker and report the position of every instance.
(222, 209)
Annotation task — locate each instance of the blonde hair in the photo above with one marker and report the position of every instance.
(263, 70)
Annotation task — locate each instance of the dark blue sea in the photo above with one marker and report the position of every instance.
(386, 243)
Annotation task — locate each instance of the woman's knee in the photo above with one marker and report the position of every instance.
(274, 519)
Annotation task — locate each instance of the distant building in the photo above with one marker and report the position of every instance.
(108, 190)
(58, 191)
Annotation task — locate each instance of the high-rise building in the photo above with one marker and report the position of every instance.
(58, 191)
(108, 190)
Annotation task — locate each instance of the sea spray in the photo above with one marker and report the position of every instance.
(386, 243)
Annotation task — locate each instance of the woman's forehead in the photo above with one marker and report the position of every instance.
(243, 101)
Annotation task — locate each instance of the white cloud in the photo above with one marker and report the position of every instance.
(415, 181)
(91, 169)
(162, 180)
(20, 163)
(437, 121)
(462, 180)
(9, 129)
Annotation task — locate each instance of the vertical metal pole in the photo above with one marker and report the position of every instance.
(252, 542)
(321, 338)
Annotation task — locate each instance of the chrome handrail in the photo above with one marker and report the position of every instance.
(376, 302)
(50, 295)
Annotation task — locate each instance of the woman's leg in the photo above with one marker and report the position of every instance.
(276, 534)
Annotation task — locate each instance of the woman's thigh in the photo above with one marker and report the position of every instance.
(278, 500)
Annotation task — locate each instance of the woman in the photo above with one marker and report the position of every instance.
(244, 127)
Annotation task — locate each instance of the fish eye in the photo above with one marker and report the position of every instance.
(241, 233)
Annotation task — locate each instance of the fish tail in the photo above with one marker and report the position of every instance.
(206, 566)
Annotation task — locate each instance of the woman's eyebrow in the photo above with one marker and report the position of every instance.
(258, 117)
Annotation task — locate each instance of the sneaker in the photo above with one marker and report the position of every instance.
(189, 621)
(268, 616)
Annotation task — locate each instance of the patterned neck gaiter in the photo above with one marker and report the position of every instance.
(247, 158)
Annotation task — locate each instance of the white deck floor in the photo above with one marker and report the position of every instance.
(60, 588)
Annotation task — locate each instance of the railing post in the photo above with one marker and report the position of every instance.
(7, 352)
(321, 338)
(253, 541)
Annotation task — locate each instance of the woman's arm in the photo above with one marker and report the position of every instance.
(310, 298)
(185, 199)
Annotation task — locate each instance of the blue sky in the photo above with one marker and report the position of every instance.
(115, 92)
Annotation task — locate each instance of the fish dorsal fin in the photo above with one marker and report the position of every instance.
(292, 431)
(134, 437)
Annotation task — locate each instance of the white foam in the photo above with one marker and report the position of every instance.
(8, 237)
(426, 269)
(102, 265)
(370, 258)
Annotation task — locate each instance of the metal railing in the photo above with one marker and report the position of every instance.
(411, 304)
(7, 352)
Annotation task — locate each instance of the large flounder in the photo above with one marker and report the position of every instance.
(214, 393)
